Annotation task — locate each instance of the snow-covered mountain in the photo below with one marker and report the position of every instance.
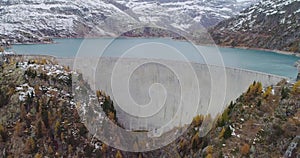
(175, 13)
(22, 19)
(270, 24)
(28, 20)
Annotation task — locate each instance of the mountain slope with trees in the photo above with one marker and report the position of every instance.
(39, 117)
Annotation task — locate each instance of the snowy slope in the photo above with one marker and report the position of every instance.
(183, 12)
(26, 20)
(271, 24)
(55, 18)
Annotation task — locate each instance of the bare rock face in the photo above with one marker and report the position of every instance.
(270, 24)
(30, 21)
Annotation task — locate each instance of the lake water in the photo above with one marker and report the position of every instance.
(262, 61)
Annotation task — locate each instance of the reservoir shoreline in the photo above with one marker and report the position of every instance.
(170, 38)
(263, 49)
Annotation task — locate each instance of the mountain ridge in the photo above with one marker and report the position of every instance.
(32, 20)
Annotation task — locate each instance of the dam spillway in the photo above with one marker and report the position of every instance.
(151, 93)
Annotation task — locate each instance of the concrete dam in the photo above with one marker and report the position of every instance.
(154, 93)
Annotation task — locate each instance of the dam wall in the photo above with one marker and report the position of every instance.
(25, 57)
(152, 93)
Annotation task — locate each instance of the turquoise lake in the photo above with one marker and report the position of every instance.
(262, 61)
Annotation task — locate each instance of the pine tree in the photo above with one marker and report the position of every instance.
(119, 155)
(209, 149)
(198, 120)
(30, 146)
(227, 132)
(296, 88)
(38, 129)
(285, 93)
(38, 155)
(195, 141)
(88, 150)
(22, 111)
(140, 155)
(104, 148)
(45, 118)
(50, 150)
(3, 133)
(98, 94)
(70, 149)
(221, 135)
(57, 129)
(268, 92)
(18, 129)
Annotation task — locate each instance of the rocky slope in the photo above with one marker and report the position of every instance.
(39, 118)
(38, 113)
(269, 24)
(263, 122)
(33, 20)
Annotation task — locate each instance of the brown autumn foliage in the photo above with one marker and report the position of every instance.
(30, 146)
(245, 149)
(197, 120)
